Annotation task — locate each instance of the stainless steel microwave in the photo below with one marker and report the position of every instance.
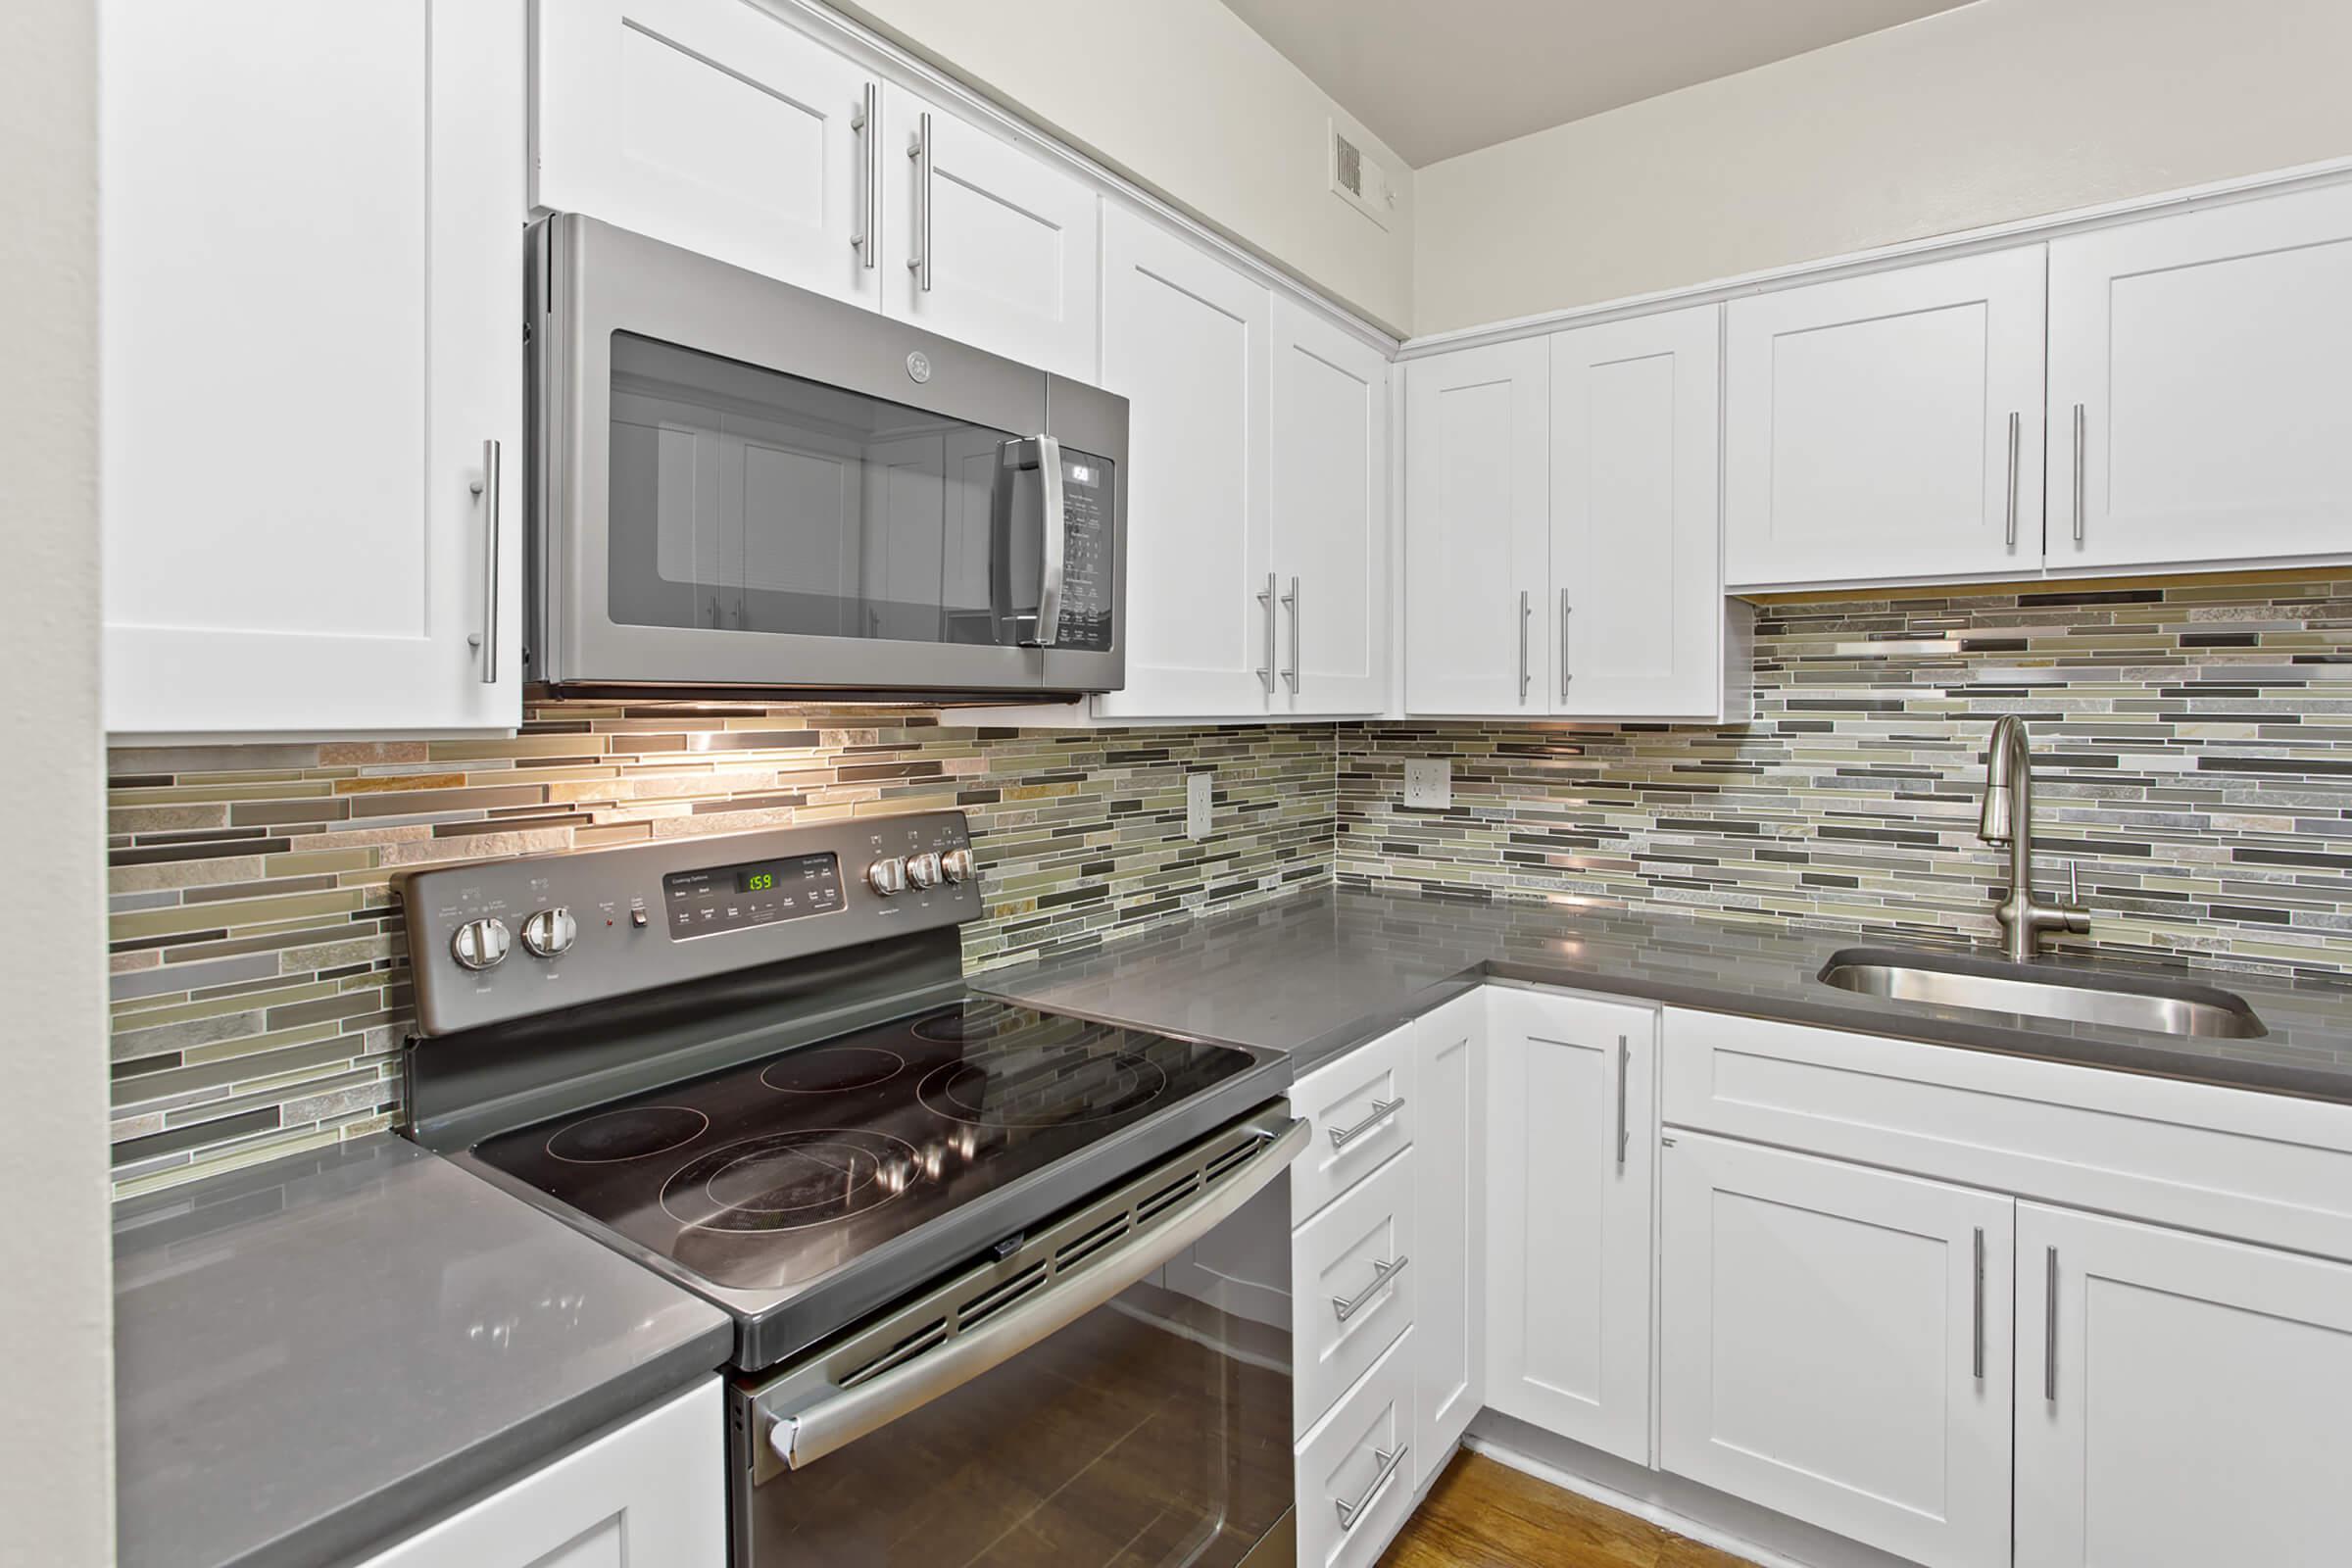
(741, 487)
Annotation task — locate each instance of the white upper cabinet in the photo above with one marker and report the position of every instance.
(715, 125)
(2189, 1408)
(2200, 408)
(1185, 340)
(987, 245)
(1570, 1133)
(310, 323)
(1834, 1342)
(1886, 427)
(1636, 565)
(1477, 533)
(1328, 447)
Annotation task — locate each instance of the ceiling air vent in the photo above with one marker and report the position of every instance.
(1359, 180)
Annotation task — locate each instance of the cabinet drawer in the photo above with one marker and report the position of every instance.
(1356, 1470)
(1352, 1287)
(2260, 1167)
(1353, 1132)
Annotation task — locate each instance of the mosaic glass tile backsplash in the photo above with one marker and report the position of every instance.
(260, 983)
(2194, 742)
(2192, 750)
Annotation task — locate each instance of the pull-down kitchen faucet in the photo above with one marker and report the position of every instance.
(2008, 818)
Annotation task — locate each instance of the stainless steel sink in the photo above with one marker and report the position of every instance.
(2042, 991)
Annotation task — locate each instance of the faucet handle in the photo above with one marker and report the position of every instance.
(2078, 919)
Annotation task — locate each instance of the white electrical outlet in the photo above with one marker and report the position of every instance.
(1429, 785)
(1196, 803)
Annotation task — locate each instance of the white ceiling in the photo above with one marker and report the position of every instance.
(1436, 77)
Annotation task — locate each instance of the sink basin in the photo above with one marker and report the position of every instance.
(2042, 991)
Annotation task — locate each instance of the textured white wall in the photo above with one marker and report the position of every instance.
(56, 1306)
(1997, 110)
(1182, 97)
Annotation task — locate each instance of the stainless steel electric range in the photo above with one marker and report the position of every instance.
(1009, 1287)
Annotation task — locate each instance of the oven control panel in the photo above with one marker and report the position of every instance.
(497, 940)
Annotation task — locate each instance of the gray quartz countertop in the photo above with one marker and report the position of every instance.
(317, 1353)
(1317, 972)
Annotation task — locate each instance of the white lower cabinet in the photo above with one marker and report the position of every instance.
(1569, 1106)
(1352, 1287)
(2180, 1398)
(650, 1491)
(1834, 1343)
(1355, 1468)
(1449, 1076)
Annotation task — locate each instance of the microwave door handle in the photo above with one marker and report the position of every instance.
(803, 1436)
(1053, 522)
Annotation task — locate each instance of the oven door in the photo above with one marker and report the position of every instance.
(741, 486)
(1116, 1390)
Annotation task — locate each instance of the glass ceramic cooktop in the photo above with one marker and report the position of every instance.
(769, 1175)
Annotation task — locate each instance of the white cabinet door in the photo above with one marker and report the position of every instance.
(993, 246)
(2190, 1409)
(652, 1491)
(310, 329)
(1450, 1156)
(1834, 1342)
(1570, 1104)
(1636, 564)
(1886, 427)
(1185, 341)
(1477, 459)
(1329, 450)
(2197, 371)
(715, 125)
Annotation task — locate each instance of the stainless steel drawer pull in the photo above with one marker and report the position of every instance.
(487, 488)
(1266, 602)
(1564, 677)
(919, 264)
(1351, 1512)
(1624, 1060)
(1381, 1111)
(1289, 602)
(868, 123)
(2013, 425)
(2081, 457)
(2050, 1329)
(1347, 1307)
(1977, 1321)
(1525, 610)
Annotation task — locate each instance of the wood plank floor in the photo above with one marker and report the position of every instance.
(1487, 1515)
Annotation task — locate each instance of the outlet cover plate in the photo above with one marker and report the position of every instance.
(1429, 785)
(1197, 787)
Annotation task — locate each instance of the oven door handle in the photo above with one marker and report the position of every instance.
(808, 1436)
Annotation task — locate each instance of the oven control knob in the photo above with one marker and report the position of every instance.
(549, 933)
(887, 876)
(924, 869)
(959, 865)
(480, 944)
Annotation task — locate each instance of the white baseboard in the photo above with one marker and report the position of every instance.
(1709, 1517)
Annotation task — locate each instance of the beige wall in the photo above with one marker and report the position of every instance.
(56, 1306)
(2000, 110)
(1181, 96)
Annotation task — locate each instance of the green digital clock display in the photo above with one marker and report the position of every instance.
(755, 880)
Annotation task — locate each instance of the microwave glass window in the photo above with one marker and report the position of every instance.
(747, 500)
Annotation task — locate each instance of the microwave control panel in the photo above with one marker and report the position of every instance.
(1087, 501)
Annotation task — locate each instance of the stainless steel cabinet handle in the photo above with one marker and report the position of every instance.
(1381, 1111)
(1976, 1320)
(1524, 613)
(1266, 602)
(1344, 1308)
(2050, 1329)
(1289, 602)
(486, 487)
(868, 124)
(2013, 428)
(1054, 513)
(1624, 1060)
(919, 264)
(1351, 1512)
(2081, 453)
(1564, 609)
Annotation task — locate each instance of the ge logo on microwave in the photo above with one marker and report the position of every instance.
(919, 365)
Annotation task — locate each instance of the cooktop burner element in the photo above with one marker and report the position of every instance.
(772, 1175)
(832, 1070)
(620, 1135)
